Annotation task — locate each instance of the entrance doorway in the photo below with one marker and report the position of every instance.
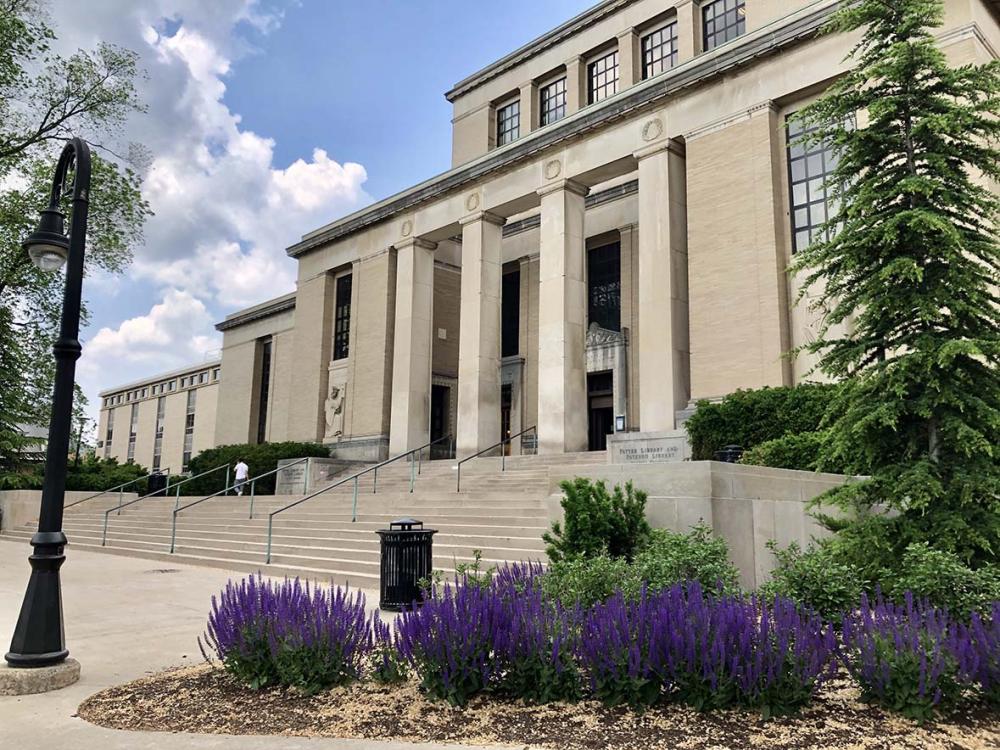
(506, 402)
(440, 400)
(600, 401)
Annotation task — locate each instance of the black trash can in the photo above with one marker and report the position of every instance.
(406, 555)
(157, 484)
(731, 454)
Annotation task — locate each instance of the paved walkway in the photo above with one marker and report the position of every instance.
(124, 618)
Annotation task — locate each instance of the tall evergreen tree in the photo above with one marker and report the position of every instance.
(910, 264)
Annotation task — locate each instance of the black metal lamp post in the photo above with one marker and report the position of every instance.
(39, 640)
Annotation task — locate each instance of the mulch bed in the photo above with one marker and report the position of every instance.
(206, 700)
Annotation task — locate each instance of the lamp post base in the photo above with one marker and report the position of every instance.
(41, 680)
(38, 640)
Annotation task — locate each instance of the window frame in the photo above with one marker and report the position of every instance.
(740, 23)
(807, 156)
(646, 52)
(341, 347)
(560, 110)
(598, 92)
(503, 132)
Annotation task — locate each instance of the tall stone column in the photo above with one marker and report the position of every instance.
(479, 338)
(562, 314)
(409, 421)
(664, 359)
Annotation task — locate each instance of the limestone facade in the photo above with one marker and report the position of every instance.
(470, 297)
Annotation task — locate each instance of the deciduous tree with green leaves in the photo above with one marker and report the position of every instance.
(45, 98)
(910, 265)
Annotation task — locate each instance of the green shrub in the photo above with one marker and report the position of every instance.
(816, 578)
(944, 580)
(588, 580)
(666, 559)
(698, 555)
(749, 418)
(260, 458)
(596, 521)
(91, 475)
(794, 451)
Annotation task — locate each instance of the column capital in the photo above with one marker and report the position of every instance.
(409, 242)
(571, 186)
(488, 216)
(667, 144)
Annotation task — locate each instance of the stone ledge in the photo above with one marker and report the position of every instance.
(40, 680)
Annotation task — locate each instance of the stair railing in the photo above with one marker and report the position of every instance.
(353, 478)
(119, 489)
(503, 456)
(163, 492)
(225, 491)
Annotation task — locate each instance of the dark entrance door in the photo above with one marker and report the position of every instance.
(506, 401)
(600, 398)
(440, 397)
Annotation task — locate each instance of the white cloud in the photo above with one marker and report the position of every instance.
(224, 210)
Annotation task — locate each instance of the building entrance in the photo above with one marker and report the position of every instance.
(440, 400)
(600, 399)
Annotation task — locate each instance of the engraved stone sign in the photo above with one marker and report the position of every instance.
(648, 447)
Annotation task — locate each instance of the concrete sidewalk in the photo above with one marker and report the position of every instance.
(125, 618)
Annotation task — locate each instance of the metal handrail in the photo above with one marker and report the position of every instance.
(252, 482)
(353, 478)
(503, 457)
(419, 451)
(119, 489)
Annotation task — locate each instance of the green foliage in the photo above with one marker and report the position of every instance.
(671, 557)
(667, 558)
(596, 521)
(261, 458)
(44, 98)
(749, 418)
(473, 573)
(944, 580)
(910, 277)
(92, 474)
(800, 451)
(816, 578)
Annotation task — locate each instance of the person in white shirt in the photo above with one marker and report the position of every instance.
(242, 472)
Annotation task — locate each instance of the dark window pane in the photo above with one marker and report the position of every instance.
(510, 314)
(659, 50)
(604, 286)
(553, 101)
(722, 20)
(508, 123)
(602, 77)
(342, 318)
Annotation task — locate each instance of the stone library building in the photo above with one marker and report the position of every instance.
(608, 247)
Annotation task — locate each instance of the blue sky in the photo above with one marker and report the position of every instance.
(266, 119)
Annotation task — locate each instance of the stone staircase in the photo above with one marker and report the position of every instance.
(501, 514)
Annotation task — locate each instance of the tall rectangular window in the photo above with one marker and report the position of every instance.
(602, 77)
(809, 169)
(192, 402)
(161, 410)
(265, 389)
(552, 98)
(508, 122)
(510, 314)
(604, 287)
(109, 432)
(133, 428)
(342, 318)
(659, 50)
(722, 20)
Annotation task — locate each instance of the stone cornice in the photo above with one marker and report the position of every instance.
(266, 310)
(536, 46)
(694, 72)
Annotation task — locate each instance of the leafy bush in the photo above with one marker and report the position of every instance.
(261, 459)
(666, 559)
(944, 580)
(91, 475)
(749, 418)
(267, 633)
(906, 657)
(597, 522)
(671, 557)
(799, 450)
(816, 579)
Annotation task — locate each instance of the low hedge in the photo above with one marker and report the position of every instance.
(750, 418)
(261, 458)
(796, 451)
(91, 475)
